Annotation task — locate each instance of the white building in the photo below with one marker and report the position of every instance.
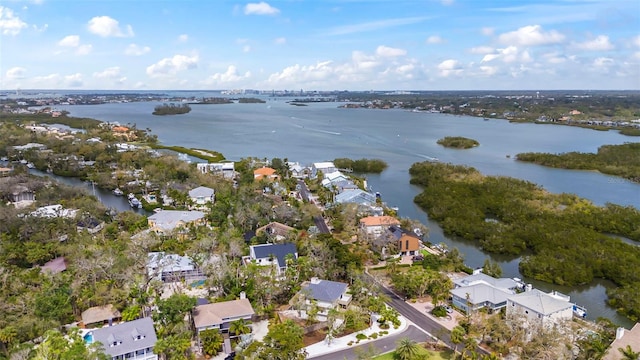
(541, 308)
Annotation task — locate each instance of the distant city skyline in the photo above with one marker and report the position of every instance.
(320, 45)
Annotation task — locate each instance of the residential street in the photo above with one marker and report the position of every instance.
(385, 344)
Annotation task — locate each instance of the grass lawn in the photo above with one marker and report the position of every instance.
(430, 355)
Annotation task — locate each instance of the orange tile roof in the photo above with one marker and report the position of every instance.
(379, 221)
(265, 171)
(120, 129)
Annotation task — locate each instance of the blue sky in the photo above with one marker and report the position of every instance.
(320, 44)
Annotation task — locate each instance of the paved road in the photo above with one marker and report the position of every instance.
(318, 220)
(384, 344)
(421, 320)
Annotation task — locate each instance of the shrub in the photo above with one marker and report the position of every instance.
(361, 336)
(350, 343)
(439, 311)
(373, 336)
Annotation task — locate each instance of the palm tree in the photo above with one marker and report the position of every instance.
(406, 349)
(212, 341)
(629, 354)
(457, 337)
(239, 327)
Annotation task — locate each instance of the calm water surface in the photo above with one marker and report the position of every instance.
(321, 132)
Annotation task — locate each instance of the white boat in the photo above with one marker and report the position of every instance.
(117, 192)
(135, 203)
(131, 196)
(30, 165)
(579, 311)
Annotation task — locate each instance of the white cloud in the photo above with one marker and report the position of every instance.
(172, 65)
(135, 50)
(488, 70)
(73, 41)
(280, 41)
(482, 50)
(16, 73)
(261, 8)
(450, 67)
(603, 62)
(297, 74)
(374, 25)
(246, 48)
(385, 51)
(84, 49)
(10, 24)
(183, 38)
(435, 39)
(600, 43)
(229, 76)
(70, 41)
(106, 26)
(531, 35)
(42, 28)
(74, 80)
(509, 54)
(636, 41)
(108, 73)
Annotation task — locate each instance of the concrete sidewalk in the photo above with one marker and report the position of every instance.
(337, 344)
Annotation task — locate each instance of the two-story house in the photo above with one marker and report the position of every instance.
(273, 255)
(166, 221)
(325, 294)
(202, 196)
(129, 340)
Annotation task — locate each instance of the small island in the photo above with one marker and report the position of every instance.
(458, 142)
(250, 100)
(619, 160)
(372, 166)
(171, 109)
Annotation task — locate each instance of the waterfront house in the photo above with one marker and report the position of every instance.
(225, 169)
(265, 173)
(356, 196)
(201, 196)
(479, 291)
(325, 167)
(408, 245)
(100, 315)
(53, 211)
(273, 255)
(325, 294)
(376, 225)
(166, 221)
(22, 196)
(540, 308)
(129, 340)
(172, 268)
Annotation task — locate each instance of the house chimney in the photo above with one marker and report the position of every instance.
(315, 280)
(243, 295)
(619, 333)
(529, 287)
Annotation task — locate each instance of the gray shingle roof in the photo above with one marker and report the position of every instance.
(169, 219)
(130, 336)
(540, 302)
(201, 191)
(280, 251)
(325, 290)
(480, 293)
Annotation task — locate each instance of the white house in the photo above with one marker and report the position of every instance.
(541, 308)
(325, 167)
(482, 291)
(273, 255)
(326, 294)
(225, 169)
(172, 267)
(129, 340)
(166, 221)
(202, 195)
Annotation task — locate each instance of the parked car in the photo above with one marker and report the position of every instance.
(417, 258)
(449, 309)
